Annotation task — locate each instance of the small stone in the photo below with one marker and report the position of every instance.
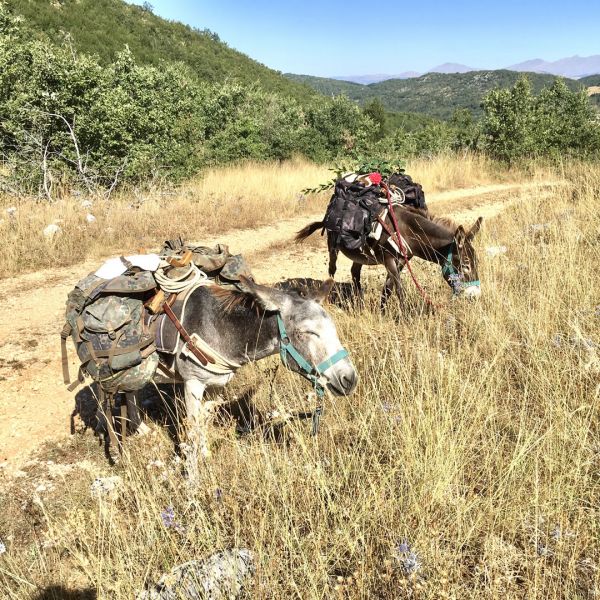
(106, 487)
(87, 204)
(11, 211)
(90, 218)
(494, 251)
(51, 231)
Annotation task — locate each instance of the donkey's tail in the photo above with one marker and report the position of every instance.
(308, 231)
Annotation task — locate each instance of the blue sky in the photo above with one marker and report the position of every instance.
(352, 38)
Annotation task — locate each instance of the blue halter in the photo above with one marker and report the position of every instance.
(308, 371)
(454, 277)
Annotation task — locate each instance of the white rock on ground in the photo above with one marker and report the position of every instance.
(11, 211)
(51, 230)
(86, 204)
(90, 218)
(106, 487)
(222, 576)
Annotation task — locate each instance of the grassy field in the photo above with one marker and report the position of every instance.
(239, 197)
(466, 464)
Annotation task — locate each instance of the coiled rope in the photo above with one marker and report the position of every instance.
(175, 285)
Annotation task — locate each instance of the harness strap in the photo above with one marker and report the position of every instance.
(310, 372)
(64, 334)
(449, 270)
(204, 360)
(339, 355)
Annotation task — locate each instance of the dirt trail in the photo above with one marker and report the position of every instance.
(35, 405)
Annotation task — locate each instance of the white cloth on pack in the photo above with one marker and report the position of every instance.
(114, 267)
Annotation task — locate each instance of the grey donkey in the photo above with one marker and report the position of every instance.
(245, 327)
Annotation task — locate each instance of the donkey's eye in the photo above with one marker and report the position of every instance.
(308, 332)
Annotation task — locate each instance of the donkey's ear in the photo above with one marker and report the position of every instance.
(268, 298)
(460, 236)
(475, 229)
(322, 292)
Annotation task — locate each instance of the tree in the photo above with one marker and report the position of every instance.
(465, 130)
(375, 110)
(565, 122)
(508, 124)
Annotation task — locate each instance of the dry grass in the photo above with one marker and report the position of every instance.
(244, 196)
(228, 198)
(473, 436)
(452, 172)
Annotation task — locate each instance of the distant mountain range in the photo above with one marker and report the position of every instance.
(573, 67)
(433, 94)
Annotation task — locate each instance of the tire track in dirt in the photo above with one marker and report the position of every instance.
(35, 405)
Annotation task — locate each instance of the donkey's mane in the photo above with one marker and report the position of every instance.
(447, 223)
(231, 298)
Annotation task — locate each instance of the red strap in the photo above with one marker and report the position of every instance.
(403, 250)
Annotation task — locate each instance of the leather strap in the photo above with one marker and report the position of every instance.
(64, 334)
(387, 228)
(204, 360)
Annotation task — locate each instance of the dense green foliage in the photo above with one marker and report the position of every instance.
(65, 116)
(556, 122)
(104, 27)
(68, 118)
(435, 94)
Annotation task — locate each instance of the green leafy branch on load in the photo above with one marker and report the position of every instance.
(362, 166)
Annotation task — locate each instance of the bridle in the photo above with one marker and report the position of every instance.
(313, 373)
(455, 279)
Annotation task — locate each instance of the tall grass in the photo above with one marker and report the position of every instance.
(236, 197)
(471, 442)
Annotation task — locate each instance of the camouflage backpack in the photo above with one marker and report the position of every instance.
(104, 319)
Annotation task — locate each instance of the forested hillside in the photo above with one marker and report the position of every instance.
(435, 94)
(105, 27)
(591, 80)
(133, 113)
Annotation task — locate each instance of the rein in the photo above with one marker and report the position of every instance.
(307, 370)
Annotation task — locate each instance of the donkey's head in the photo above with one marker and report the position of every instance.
(308, 340)
(460, 268)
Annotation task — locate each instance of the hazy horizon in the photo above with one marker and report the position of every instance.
(342, 38)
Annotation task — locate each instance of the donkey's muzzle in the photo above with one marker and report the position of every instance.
(342, 379)
(471, 291)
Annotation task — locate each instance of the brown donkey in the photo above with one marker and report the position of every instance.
(435, 239)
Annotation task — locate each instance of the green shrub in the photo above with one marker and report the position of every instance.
(558, 121)
(67, 118)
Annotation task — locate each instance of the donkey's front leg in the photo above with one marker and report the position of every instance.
(197, 425)
(133, 414)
